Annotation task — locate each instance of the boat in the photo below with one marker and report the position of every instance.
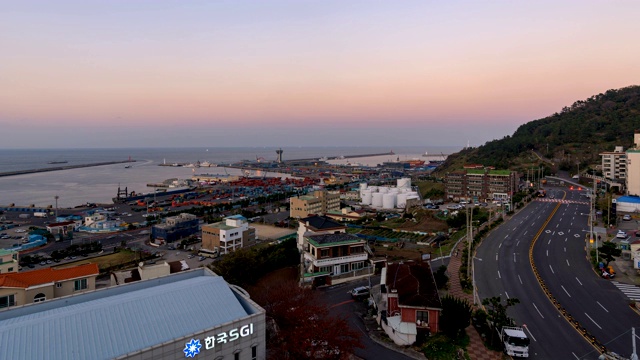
(205, 164)
(127, 167)
(124, 196)
(58, 162)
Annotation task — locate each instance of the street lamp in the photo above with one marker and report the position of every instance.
(56, 197)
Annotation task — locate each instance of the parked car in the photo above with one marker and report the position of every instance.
(360, 292)
(637, 233)
(626, 217)
(621, 234)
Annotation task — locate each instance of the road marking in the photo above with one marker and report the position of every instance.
(533, 224)
(499, 246)
(519, 278)
(565, 290)
(578, 280)
(506, 236)
(549, 242)
(551, 269)
(568, 262)
(507, 294)
(605, 309)
(534, 305)
(527, 328)
(560, 233)
(518, 243)
(576, 356)
(342, 303)
(600, 327)
(572, 223)
(561, 218)
(565, 249)
(525, 233)
(547, 252)
(496, 257)
(499, 274)
(557, 225)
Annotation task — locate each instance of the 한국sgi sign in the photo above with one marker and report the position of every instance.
(192, 348)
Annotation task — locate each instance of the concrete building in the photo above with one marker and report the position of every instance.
(480, 184)
(320, 202)
(8, 261)
(407, 301)
(192, 314)
(328, 257)
(614, 164)
(61, 228)
(40, 285)
(317, 225)
(175, 228)
(346, 214)
(148, 271)
(633, 166)
(228, 235)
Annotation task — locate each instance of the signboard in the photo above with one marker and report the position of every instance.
(194, 346)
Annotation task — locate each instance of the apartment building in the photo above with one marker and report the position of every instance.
(480, 184)
(614, 164)
(227, 235)
(320, 202)
(175, 228)
(633, 166)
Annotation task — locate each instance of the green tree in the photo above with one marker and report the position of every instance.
(497, 312)
(608, 250)
(441, 277)
(455, 316)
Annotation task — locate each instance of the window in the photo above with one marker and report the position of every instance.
(344, 268)
(422, 318)
(324, 253)
(357, 265)
(80, 284)
(254, 352)
(39, 298)
(10, 269)
(58, 285)
(6, 301)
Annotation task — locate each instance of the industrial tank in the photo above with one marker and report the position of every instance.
(366, 198)
(401, 201)
(404, 183)
(383, 189)
(388, 201)
(363, 186)
(376, 200)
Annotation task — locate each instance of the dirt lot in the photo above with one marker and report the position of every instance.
(425, 221)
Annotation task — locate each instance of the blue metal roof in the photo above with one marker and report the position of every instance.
(115, 321)
(629, 199)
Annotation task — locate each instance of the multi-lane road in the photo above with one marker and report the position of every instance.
(552, 234)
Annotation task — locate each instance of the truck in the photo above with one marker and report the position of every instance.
(40, 214)
(515, 341)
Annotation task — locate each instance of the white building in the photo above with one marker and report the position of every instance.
(633, 166)
(614, 164)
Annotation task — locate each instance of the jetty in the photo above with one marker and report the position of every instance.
(340, 157)
(66, 167)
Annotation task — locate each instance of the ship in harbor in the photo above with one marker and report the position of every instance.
(124, 195)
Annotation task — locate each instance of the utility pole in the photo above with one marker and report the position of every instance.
(469, 238)
(56, 197)
(591, 213)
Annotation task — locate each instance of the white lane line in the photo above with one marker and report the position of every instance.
(519, 278)
(496, 257)
(551, 269)
(568, 262)
(499, 246)
(547, 252)
(527, 328)
(600, 327)
(565, 239)
(532, 224)
(557, 225)
(572, 223)
(549, 242)
(576, 356)
(565, 290)
(518, 243)
(565, 249)
(561, 219)
(506, 236)
(521, 221)
(525, 233)
(534, 305)
(578, 280)
(499, 274)
(507, 294)
(605, 309)
(514, 257)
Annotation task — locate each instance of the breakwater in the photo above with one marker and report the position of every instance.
(66, 167)
(341, 157)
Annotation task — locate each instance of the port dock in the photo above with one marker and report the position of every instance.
(58, 168)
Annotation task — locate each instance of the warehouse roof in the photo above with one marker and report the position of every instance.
(115, 321)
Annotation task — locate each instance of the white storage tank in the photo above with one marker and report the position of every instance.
(363, 186)
(366, 198)
(404, 183)
(412, 193)
(383, 189)
(388, 201)
(412, 198)
(401, 201)
(376, 200)
(373, 189)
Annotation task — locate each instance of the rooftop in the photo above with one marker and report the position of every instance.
(414, 283)
(48, 275)
(334, 239)
(111, 322)
(316, 222)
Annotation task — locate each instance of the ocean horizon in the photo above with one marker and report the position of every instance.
(99, 184)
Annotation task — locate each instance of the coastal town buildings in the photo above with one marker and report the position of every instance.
(192, 314)
(480, 184)
(228, 235)
(407, 301)
(633, 166)
(148, 271)
(44, 284)
(317, 225)
(175, 228)
(614, 164)
(320, 202)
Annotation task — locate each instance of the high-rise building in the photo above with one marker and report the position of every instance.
(633, 166)
(614, 164)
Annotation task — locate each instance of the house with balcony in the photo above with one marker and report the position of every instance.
(334, 258)
(407, 301)
(316, 225)
(228, 235)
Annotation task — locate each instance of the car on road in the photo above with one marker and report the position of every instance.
(190, 256)
(360, 292)
(621, 234)
(626, 217)
(201, 258)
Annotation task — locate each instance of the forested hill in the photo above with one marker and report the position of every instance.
(576, 134)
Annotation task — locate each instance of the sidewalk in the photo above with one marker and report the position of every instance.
(476, 348)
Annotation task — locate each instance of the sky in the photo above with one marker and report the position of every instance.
(181, 73)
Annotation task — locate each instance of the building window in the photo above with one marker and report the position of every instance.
(357, 266)
(6, 301)
(10, 269)
(344, 268)
(80, 284)
(254, 352)
(422, 318)
(39, 298)
(324, 253)
(58, 285)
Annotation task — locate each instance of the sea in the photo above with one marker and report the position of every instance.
(99, 184)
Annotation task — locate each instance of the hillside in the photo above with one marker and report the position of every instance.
(575, 135)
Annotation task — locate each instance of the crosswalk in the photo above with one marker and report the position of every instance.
(631, 291)
(563, 201)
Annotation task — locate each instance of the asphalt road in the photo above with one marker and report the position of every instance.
(504, 270)
(341, 304)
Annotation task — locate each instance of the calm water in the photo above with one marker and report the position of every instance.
(100, 184)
